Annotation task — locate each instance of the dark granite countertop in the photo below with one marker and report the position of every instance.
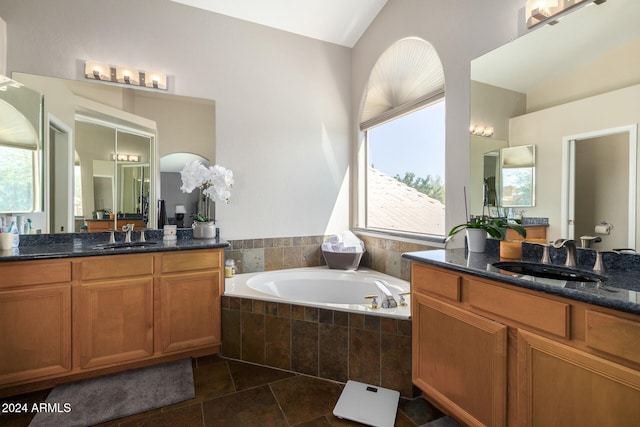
(620, 292)
(67, 245)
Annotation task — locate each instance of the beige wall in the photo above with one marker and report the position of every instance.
(459, 32)
(285, 104)
(282, 100)
(617, 69)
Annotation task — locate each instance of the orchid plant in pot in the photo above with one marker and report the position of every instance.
(478, 228)
(213, 183)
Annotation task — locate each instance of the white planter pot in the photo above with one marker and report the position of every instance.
(99, 215)
(476, 239)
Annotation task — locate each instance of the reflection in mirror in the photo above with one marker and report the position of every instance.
(184, 122)
(491, 178)
(517, 176)
(171, 181)
(20, 147)
(509, 178)
(117, 160)
(598, 194)
(549, 85)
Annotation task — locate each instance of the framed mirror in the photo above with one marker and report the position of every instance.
(185, 123)
(517, 176)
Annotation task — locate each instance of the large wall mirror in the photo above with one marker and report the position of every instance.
(560, 88)
(102, 150)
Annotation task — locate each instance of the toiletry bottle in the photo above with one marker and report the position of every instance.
(13, 228)
(229, 268)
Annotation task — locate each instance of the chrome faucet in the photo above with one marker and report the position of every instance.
(546, 258)
(387, 300)
(570, 246)
(127, 229)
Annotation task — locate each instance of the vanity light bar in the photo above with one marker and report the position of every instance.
(538, 11)
(124, 75)
(479, 130)
(125, 157)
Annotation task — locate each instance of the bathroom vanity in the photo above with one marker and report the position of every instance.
(73, 310)
(491, 349)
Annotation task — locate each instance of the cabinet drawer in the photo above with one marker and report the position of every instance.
(540, 313)
(429, 280)
(114, 266)
(191, 260)
(34, 273)
(613, 335)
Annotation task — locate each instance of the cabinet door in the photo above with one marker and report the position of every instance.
(189, 311)
(35, 332)
(460, 361)
(116, 321)
(561, 386)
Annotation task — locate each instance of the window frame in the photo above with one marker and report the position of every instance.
(362, 206)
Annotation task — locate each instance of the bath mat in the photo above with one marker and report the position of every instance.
(97, 400)
(442, 422)
(367, 404)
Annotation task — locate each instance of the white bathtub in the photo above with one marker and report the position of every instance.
(321, 287)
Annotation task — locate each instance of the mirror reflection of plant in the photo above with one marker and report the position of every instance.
(495, 227)
(103, 210)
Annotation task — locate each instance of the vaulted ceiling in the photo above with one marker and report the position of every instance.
(335, 21)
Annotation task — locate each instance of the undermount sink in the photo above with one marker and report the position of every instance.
(118, 245)
(549, 271)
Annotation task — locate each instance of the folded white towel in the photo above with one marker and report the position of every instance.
(344, 242)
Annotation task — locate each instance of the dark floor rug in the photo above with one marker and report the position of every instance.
(97, 400)
(442, 422)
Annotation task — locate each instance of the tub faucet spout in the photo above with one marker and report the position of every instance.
(387, 300)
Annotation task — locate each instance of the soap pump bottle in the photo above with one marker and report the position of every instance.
(13, 228)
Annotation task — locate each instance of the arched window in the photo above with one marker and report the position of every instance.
(401, 171)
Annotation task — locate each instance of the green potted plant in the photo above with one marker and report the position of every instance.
(478, 228)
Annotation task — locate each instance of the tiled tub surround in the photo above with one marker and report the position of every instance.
(254, 255)
(325, 343)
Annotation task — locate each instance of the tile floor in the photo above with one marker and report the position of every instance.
(233, 393)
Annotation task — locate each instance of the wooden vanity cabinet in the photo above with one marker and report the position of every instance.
(35, 320)
(472, 383)
(62, 320)
(459, 358)
(493, 354)
(114, 321)
(101, 225)
(188, 301)
(535, 233)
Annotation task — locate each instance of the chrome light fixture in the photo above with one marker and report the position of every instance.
(538, 11)
(479, 130)
(97, 71)
(124, 75)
